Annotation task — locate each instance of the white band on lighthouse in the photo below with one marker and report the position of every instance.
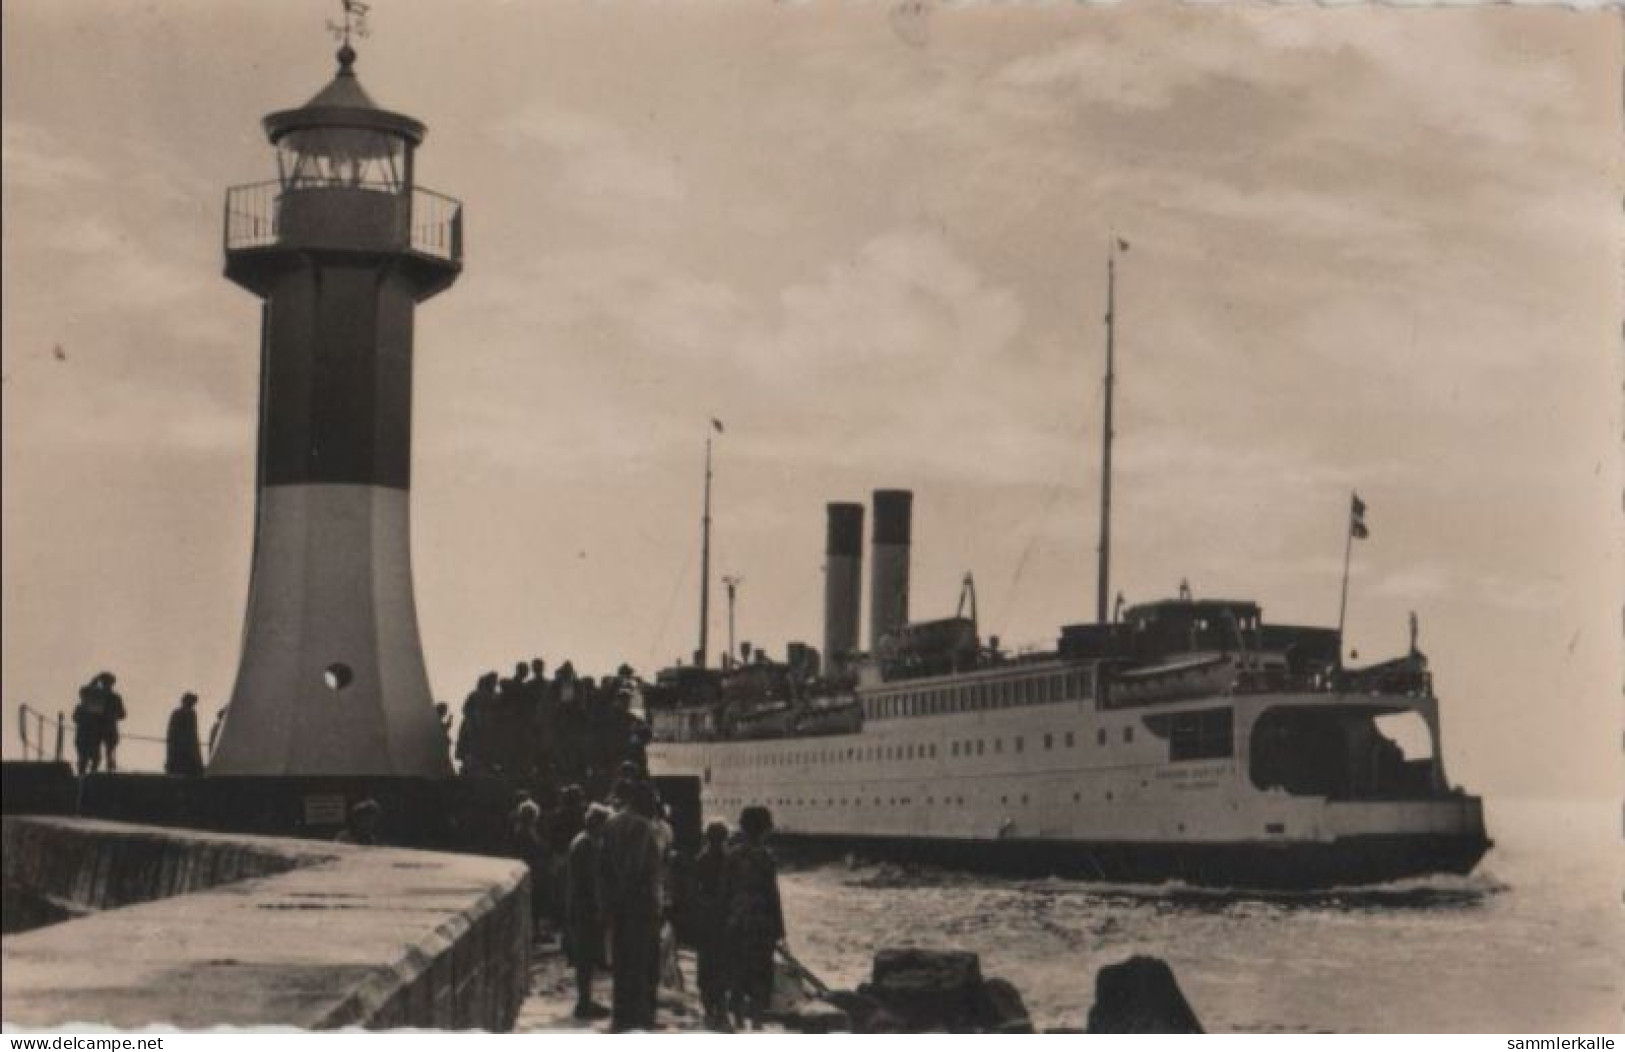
(332, 680)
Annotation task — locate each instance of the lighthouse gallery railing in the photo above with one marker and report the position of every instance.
(433, 221)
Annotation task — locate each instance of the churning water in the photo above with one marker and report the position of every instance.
(1533, 941)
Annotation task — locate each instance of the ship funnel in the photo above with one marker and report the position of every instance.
(843, 583)
(888, 568)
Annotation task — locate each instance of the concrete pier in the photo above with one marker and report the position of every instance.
(200, 930)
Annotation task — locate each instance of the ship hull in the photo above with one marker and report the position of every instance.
(1294, 866)
(1067, 788)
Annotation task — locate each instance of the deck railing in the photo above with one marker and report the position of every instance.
(437, 225)
(434, 223)
(251, 214)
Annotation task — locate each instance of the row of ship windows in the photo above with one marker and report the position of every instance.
(1019, 744)
(976, 747)
(969, 697)
(890, 801)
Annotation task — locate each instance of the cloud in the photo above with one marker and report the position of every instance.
(1150, 70)
(37, 160)
(621, 326)
(1414, 583)
(590, 161)
(1524, 594)
(904, 295)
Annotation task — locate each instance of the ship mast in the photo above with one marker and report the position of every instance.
(1103, 575)
(705, 565)
(700, 659)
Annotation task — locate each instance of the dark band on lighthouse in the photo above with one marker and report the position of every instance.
(338, 378)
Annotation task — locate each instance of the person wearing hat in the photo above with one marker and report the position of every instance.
(755, 917)
(183, 750)
(362, 827)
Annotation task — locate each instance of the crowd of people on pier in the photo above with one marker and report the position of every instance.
(609, 884)
(528, 729)
(607, 879)
(535, 730)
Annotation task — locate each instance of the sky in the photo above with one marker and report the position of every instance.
(1373, 249)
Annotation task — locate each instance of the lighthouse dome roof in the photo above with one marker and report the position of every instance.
(345, 89)
(342, 104)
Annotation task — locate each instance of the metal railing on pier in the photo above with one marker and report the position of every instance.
(31, 719)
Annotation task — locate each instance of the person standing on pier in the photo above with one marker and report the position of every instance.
(755, 918)
(584, 920)
(561, 825)
(528, 847)
(89, 723)
(710, 915)
(474, 733)
(629, 865)
(512, 753)
(113, 715)
(183, 751)
(537, 744)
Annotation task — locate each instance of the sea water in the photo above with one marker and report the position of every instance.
(1533, 941)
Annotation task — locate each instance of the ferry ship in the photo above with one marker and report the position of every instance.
(1190, 741)
(1186, 739)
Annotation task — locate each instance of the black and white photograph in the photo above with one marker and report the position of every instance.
(812, 516)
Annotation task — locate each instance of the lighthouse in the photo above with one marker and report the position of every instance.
(340, 248)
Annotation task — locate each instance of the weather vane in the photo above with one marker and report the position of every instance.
(355, 22)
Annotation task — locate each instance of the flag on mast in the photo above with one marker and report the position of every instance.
(1357, 527)
(716, 424)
